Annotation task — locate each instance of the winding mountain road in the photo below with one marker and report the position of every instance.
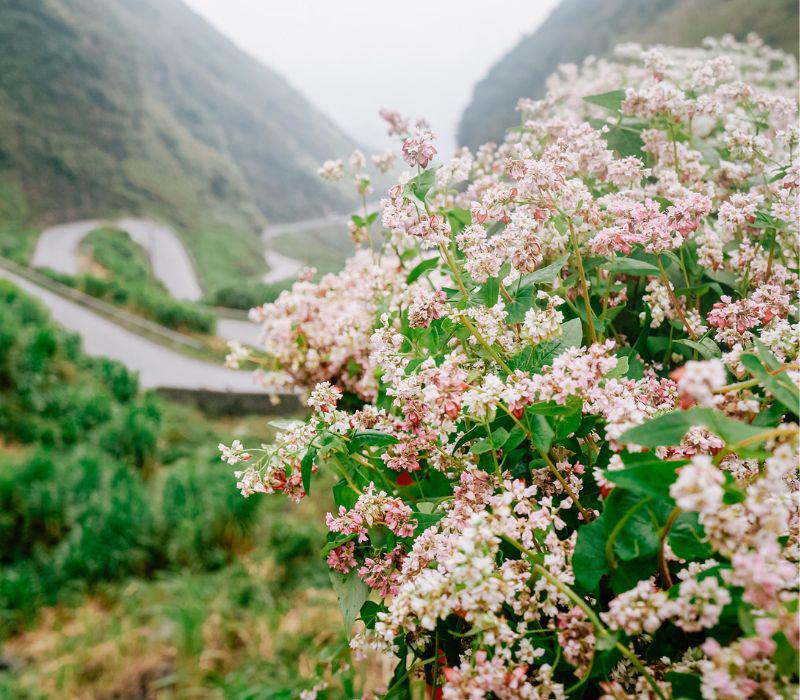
(57, 248)
(158, 366)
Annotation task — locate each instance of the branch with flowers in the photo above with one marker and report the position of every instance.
(561, 396)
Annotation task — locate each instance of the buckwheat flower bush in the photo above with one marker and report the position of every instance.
(559, 391)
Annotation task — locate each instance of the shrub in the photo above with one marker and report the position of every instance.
(576, 472)
(91, 504)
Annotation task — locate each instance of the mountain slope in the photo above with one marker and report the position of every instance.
(578, 28)
(139, 106)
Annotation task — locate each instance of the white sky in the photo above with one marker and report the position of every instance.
(352, 57)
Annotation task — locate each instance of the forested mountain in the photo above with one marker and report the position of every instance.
(578, 28)
(141, 106)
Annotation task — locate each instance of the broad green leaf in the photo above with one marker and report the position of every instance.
(626, 142)
(471, 434)
(669, 428)
(490, 291)
(633, 267)
(419, 185)
(767, 356)
(611, 101)
(541, 432)
(351, 592)
(544, 275)
(421, 268)
(336, 541)
(481, 446)
(780, 386)
(369, 613)
(687, 538)
(650, 480)
(374, 438)
(589, 559)
(707, 348)
(630, 529)
(343, 494)
(305, 469)
(685, 686)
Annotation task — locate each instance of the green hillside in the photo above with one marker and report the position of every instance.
(139, 106)
(578, 28)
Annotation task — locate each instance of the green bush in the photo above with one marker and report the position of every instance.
(246, 295)
(95, 502)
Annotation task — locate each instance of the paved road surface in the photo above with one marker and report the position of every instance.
(57, 248)
(281, 267)
(241, 330)
(157, 366)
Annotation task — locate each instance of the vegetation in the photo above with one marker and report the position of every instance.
(214, 144)
(118, 522)
(578, 28)
(120, 273)
(559, 391)
(112, 484)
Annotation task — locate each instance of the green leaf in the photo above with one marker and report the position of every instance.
(669, 428)
(425, 520)
(544, 275)
(684, 685)
(767, 356)
(633, 267)
(651, 480)
(481, 446)
(707, 348)
(422, 183)
(343, 494)
(351, 592)
(471, 434)
(374, 438)
(490, 291)
(625, 142)
(515, 438)
(369, 613)
(589, 558)
(541, 432)
(687, 538)
(785, 656)
(611, 101)
(630, 528)
(305, 469)
(780, 386)
(621, 369)
(521, 301)
(421, 268)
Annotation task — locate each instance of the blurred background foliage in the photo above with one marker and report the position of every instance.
(129, 563)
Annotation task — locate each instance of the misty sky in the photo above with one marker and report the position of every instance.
(351, 57)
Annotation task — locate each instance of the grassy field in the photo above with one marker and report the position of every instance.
(130, 566)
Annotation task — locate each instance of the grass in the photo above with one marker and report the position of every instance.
(17, 231)
(130, 566)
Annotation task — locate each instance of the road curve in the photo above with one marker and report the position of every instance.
(158, 367)
(57, 248)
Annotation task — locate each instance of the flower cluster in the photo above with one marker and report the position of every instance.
(562, 399)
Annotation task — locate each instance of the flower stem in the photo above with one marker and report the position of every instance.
(674, 299)
(582, 274)
(662, 541)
